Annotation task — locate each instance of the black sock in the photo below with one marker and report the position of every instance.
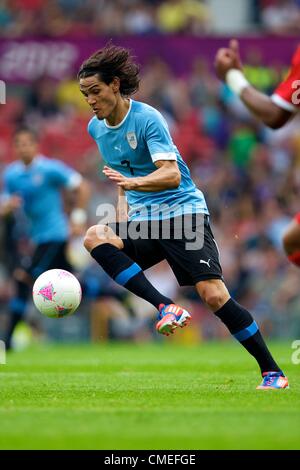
(17, 309)
(127, 273)
(14, 319)
(242, 326)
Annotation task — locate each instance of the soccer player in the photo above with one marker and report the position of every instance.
(141, 159)
(274, 111)
(33, 185)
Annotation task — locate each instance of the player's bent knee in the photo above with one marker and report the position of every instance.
(89, 238)
(214, 300)
(99, 234)
(214, 295)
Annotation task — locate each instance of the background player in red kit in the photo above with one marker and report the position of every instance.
(274, 111)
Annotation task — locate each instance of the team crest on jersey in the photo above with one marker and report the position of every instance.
(132, 140)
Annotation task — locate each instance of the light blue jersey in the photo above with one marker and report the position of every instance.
(132, 147)
(39, 186)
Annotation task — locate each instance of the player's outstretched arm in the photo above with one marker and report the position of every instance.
(264, 109)
(167, 176)
(229, 69)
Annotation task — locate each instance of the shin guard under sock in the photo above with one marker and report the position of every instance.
(242, 326)
(127, 273)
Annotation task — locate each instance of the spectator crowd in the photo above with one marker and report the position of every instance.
(53, 18)
(250, 176)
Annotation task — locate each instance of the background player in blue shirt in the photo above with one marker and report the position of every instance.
(134, 141)
(32, 186)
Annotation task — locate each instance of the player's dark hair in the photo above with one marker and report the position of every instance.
(110, 62)
(25, 130)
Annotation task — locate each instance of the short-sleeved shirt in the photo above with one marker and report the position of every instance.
(287, 94)
(132, 147)
(39, 186)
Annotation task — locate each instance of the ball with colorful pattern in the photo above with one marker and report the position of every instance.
(57, 293)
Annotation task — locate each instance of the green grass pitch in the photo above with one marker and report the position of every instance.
(145, 396)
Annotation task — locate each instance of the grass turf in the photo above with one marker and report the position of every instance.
(145, 396)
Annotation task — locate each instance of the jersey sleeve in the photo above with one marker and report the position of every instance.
(287, 94)
(158, 138)
(63, 176)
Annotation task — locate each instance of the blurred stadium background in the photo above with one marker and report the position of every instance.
(249, 174)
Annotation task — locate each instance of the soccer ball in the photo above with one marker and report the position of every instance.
(56, 293)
